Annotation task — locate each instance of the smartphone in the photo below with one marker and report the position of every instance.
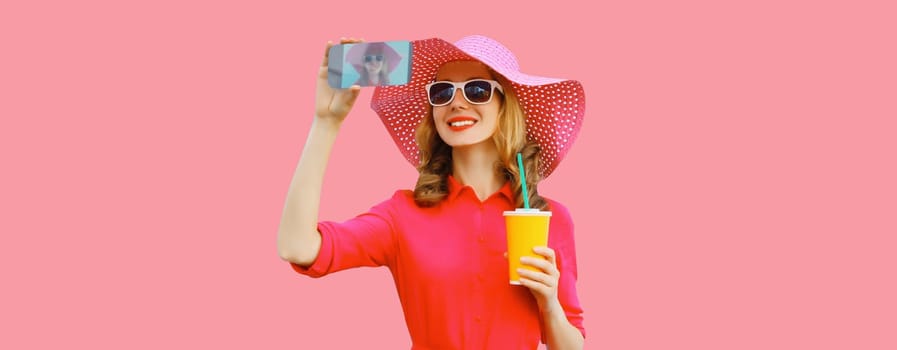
(369, 64)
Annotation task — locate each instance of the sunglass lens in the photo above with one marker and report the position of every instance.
(371, 58)
(478, 91)
(441, 93)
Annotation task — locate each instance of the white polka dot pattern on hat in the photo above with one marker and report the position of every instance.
(554, 108)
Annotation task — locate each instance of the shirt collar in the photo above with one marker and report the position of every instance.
(455, 188)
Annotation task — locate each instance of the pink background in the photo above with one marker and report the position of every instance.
(733, 185)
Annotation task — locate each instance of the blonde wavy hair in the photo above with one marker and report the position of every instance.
(509, 138)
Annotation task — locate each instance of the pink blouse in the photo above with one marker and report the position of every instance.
(449, 267)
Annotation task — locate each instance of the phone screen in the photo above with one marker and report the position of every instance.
(369, 64)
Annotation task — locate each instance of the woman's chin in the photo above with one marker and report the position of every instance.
(464, 142)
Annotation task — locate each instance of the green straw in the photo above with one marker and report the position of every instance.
(523, 181)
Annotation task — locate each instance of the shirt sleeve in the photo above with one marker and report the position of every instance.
(368, 239)
(560, 238)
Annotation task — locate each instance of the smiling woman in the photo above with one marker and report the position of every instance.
(462, 119)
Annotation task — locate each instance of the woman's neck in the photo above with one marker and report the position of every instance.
(474, 166)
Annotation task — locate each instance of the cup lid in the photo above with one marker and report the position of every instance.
(527, 212)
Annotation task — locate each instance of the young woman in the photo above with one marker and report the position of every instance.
(462, 119)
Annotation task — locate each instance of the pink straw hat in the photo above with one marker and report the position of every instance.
(554, 108)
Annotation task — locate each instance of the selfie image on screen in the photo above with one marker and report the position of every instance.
(376, 63)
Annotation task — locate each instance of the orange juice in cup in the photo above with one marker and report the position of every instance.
(526, 229)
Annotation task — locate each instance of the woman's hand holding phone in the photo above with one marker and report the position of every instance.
(333, 105)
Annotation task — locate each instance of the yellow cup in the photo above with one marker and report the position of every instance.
(526, 229)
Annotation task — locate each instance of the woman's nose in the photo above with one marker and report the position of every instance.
(458, 100)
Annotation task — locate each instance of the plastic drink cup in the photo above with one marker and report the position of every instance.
(526, 229)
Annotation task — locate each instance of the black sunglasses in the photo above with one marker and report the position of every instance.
(475, 91)
(371, 58)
